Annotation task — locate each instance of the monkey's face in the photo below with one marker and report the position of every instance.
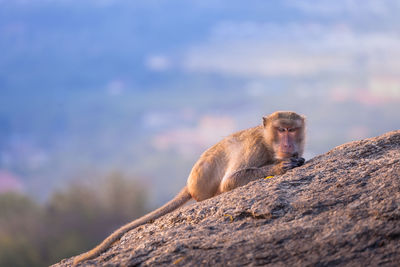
(285, 145)
(284, 133)
(287, 138)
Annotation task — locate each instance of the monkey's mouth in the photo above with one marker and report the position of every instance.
(287, 154)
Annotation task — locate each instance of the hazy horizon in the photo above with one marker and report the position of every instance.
(143, 88)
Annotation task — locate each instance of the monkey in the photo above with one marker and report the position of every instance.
(272, 148)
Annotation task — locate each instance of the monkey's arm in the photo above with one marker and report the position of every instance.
(244, 176)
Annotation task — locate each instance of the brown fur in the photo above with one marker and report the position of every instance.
(236, 160)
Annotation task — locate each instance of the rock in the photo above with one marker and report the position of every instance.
(340, 208)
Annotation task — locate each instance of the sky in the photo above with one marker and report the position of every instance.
(144, 87)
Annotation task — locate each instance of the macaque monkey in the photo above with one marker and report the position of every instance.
(269, 149)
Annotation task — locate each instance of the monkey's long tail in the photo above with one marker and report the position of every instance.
(170, 206)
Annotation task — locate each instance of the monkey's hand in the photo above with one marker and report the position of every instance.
(299, 161)
(284, 165)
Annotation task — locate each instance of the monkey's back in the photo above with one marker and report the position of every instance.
(239, 150)
(247, 148)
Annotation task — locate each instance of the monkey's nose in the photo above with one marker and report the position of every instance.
(288, 147)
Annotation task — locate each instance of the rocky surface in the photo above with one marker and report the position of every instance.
(340, 208)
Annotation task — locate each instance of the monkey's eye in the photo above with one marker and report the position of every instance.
(281, 130)
(291, 130)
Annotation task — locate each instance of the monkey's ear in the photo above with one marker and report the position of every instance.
(265, 121)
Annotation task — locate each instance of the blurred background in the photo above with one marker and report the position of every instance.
(106, 104)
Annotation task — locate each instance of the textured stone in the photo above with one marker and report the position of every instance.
(340, 208)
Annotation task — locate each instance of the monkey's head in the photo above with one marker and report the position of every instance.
(285, 133)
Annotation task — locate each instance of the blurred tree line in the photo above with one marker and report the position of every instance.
(72, 221)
